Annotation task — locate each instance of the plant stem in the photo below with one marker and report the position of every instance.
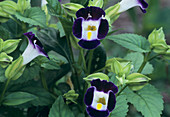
(121, 90)
(83, 59)
(144, 63)
(90, 61)
(5, 88)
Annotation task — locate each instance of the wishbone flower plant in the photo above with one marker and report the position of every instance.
(127, 4)
(100, 98)
(90, 27)
(33, 49)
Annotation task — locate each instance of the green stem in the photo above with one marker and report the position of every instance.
(71, 51)
(153, 57)
(121, 90)
(83, 59)
(144, 63)
(5, 88)
(90, 61)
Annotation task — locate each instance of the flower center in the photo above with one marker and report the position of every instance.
(91, 28)
(102, 101)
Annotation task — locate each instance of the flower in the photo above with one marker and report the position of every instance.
(127, 4)
(90, 26)
(100, 98)
(33, 49)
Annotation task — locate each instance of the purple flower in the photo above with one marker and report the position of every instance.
(127, 4)
(100, 98)
(90, 26)
(33, 49)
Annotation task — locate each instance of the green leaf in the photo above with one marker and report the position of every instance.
(131, 41)
(82, 2)
(44, 97)
(17, 98)
(54, 8)
(137, 59)
(121, 108)
(148, 101)
(4, 33)
(30, 72)
(50, 38)
(98, 60)
(33, 16)
(2, 75)
(60, 109)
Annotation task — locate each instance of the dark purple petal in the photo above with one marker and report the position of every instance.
(41, 50)
(104, 85)
(96, 113)
(88, 98)
(103, 29)
(89, 44)
(111, 101)
(77, 28)
(95, 12)
(33, 40)
(144, 5)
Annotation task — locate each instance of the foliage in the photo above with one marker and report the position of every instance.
(55, 85)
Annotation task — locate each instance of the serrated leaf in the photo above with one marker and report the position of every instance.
(131, 41)
(121, 108)
(33, 16)
(17, 98)
(60, 109)
(148, 101)
(137, 59)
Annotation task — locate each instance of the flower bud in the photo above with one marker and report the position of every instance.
(71, 96)
(72, 8)
(100, 76)
(5, 59)
(119, 66)
(112, 13)
(15, 70)
(97, 3)
(137, 81)
(10, 45)
(156, 36)
(160, 48)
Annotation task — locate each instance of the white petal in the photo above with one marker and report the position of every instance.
(97, 96)
(127, 4)
(30, 53)
(86, 33)
(43, 2)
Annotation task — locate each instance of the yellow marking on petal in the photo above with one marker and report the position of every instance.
(89, 34)
(99, 106)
